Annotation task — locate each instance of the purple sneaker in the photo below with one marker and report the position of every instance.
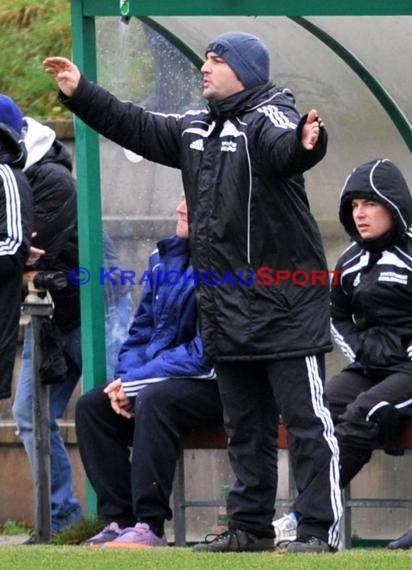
(110, 532)
(404, 541)
(138, 536)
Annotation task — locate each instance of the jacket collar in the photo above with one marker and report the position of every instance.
(173, 245)
(239, 102)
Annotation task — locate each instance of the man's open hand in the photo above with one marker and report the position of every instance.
(65, 72)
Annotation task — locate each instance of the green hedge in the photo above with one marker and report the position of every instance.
(29, 31)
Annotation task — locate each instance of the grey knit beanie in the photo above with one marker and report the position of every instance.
(246, 54)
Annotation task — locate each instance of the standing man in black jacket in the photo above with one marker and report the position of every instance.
(15, 234)
(252, 236)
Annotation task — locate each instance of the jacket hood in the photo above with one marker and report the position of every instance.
(43, 146)
(38, 139)
(12, 148)
(382, 181)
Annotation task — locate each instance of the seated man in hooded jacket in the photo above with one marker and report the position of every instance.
(371, 323)
(371, 318)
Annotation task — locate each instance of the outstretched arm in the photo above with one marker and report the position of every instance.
(296, 145)
(66, 73)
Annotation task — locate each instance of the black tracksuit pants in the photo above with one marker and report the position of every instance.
(253, 394)
(368, 410)
(11, 278)
(139, 487)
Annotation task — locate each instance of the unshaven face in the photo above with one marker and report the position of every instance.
(219, 79)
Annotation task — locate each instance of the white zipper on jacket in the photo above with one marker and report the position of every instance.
(249, 201)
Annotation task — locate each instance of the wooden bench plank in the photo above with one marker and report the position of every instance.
(215, 437)
(406, 437)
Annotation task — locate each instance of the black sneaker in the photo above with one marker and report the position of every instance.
(235, 540)
(32, 540)
(309, 544)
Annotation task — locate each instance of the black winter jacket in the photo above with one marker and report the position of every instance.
(48, 169)
(15, 203)
(15, 235)
(372, 299)
(242, 164)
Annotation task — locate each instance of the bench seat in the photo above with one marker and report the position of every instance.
(214, 437)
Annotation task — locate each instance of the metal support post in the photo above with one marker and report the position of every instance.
(40, 309)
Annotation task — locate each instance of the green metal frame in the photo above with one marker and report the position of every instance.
(395, 113)
(174, 40)
(89, 211)
(247, 7)
(87, 146)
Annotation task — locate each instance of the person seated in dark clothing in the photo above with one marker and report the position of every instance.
(163, 389)
(371, 323)
(371, 320)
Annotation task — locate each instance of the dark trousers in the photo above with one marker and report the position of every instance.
(368, 412)
(11, 276)
(253, 395)
(139, 487)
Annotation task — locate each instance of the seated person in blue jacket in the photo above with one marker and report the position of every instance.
(371, 322)
(163, 389)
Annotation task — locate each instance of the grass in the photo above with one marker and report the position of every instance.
(64, 552)
(14, 528)
(79, 558)
(79, 532)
